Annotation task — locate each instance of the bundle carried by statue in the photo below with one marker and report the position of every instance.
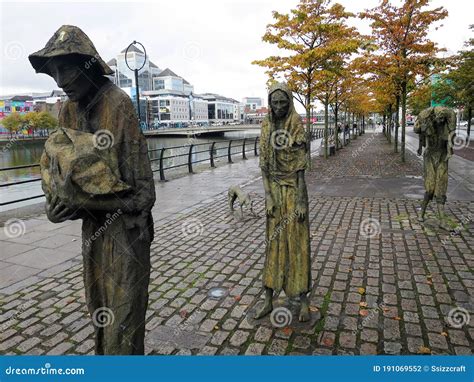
(75, 168)
(431, 117)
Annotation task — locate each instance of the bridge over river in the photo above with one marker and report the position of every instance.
(203, 130)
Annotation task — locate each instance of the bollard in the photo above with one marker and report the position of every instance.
(162, 171)
(211, 154)
(190, 163)
(229, 154)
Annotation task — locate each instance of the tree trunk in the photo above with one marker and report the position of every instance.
(469, 116)
(308, 126)
(335, 122)
(384, 128)
(354, 133)
(404, 117)
(326, 126)
(390, 121)
(346, 119)
(397, 124)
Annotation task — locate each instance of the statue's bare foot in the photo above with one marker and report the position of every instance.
(264, 310)
(304, 312)
(444, 225)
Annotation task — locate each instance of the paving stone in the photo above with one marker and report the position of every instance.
(347, 340)
(60, 349)
(255, 348)
(392, 348)
(368, 349)
(239, 338)
(437, 341)
(278, 347)
(263, 334)
(28, 344)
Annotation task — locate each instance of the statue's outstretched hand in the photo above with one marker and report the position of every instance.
(57, 211)
(301, 211)
(269, 206)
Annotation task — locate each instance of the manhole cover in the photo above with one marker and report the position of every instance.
(217, 292)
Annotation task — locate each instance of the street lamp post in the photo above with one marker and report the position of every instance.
(137, 91)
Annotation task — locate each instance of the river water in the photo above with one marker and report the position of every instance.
(19, 153)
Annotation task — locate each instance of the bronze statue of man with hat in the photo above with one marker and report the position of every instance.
(112, 193)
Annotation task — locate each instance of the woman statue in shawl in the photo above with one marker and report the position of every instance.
(283, 160)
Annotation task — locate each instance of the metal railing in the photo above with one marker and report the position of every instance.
(190, 151)
(231, 148)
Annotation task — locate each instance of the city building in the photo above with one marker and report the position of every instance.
(166, 99)
(221, 109)
(22, 104)
(123, 77)
(168, 80)
(174, 108)
(255, 116)
(252, 104)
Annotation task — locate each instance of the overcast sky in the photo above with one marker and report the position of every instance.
(210, 43)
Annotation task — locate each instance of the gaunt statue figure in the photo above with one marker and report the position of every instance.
(283, 160)
(108, 183)
(436, 127)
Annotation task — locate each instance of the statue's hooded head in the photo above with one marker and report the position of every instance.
(72, 60)
(280, 101)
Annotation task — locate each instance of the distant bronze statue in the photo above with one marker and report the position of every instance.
(96, 168)
(283, 160)
(436, 127)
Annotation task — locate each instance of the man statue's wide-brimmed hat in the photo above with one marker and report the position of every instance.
(68, 40)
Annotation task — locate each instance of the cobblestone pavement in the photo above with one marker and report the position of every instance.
(382, 284)
(367, 155)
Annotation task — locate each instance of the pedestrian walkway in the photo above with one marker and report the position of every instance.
(382, 282)
(33, 248)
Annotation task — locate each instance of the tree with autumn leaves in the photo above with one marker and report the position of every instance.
(315, 39)
(455, 87)
(319, 48)
(401, 34)
(34, 120)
